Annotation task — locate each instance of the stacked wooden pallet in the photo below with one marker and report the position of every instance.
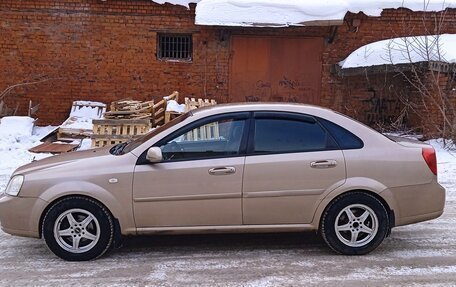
(78, 125)
(110, 132)
(159, 112)
(192, 103)
(129, 119)
(130, 109)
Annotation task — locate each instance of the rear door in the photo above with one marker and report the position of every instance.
(292, 160)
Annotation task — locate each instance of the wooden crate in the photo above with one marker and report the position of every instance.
(110, 132)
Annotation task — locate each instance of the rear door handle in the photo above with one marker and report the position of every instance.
(222, 170)
(323, 163)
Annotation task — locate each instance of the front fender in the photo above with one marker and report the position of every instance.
(83, 188)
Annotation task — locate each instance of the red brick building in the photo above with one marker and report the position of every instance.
(103, 51)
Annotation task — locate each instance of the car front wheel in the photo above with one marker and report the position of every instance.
(78, 229)
(354, 223)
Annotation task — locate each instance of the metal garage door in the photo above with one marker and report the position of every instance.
(276, 69)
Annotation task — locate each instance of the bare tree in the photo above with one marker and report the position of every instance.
(27, 82)
(423, 65)
(34, 81)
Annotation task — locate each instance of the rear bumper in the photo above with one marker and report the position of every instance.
(417, 203)
(21, 215)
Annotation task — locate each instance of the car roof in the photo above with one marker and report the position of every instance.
(253, 106)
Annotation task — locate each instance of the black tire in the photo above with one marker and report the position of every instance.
(92, 238)
(376, 225)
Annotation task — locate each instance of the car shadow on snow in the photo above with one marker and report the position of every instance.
(221, 242)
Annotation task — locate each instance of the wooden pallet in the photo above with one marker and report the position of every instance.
(161, 116)
(130, 110)
(109, 132)
(192, 103)
(206, 132)
(67, 131)
(170, 115)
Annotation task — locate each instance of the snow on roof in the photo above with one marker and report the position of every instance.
(299, 12)
(177, 2)
(404, 50)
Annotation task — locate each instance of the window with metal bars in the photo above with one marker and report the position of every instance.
(175, 47)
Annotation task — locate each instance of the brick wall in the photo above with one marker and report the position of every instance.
(104, 51)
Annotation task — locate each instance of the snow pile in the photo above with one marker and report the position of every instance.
(298, 12)
(85, 144)
(82, 123)
(16, 126)
(14, 147)
(173, 106)
(404, 50)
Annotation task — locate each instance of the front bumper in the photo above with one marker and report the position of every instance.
(21, 215)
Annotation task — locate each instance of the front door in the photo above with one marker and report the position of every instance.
(292, 161)
(199, 181)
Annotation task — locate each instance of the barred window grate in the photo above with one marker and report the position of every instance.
(175, 47)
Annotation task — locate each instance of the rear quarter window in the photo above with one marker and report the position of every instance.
(344, 138)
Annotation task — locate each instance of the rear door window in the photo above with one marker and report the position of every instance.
(287, 134)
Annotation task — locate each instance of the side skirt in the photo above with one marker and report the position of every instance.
(226, 229)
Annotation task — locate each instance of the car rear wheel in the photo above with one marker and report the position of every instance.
(78, 229)
(355, 223)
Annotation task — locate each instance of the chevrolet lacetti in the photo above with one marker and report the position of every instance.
(229, 168)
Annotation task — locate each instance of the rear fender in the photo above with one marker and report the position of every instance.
(352, 184)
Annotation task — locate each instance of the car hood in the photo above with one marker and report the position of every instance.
(61, 159)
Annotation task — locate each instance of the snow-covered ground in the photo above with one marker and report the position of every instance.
(415, 255)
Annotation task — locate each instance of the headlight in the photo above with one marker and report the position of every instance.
(14, 185)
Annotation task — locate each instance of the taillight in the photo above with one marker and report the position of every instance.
(430, 158)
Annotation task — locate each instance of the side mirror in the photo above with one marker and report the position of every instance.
(154, 154)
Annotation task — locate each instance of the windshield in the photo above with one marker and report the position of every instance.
(129, 146)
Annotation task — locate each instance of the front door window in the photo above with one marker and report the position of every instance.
(215, 139)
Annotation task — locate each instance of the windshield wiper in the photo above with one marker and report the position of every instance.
(118, 148)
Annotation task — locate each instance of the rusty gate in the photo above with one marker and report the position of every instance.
(276, 69)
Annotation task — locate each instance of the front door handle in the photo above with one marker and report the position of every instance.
(323, 163)
(222, 170)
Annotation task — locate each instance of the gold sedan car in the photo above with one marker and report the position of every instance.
(229, 168)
